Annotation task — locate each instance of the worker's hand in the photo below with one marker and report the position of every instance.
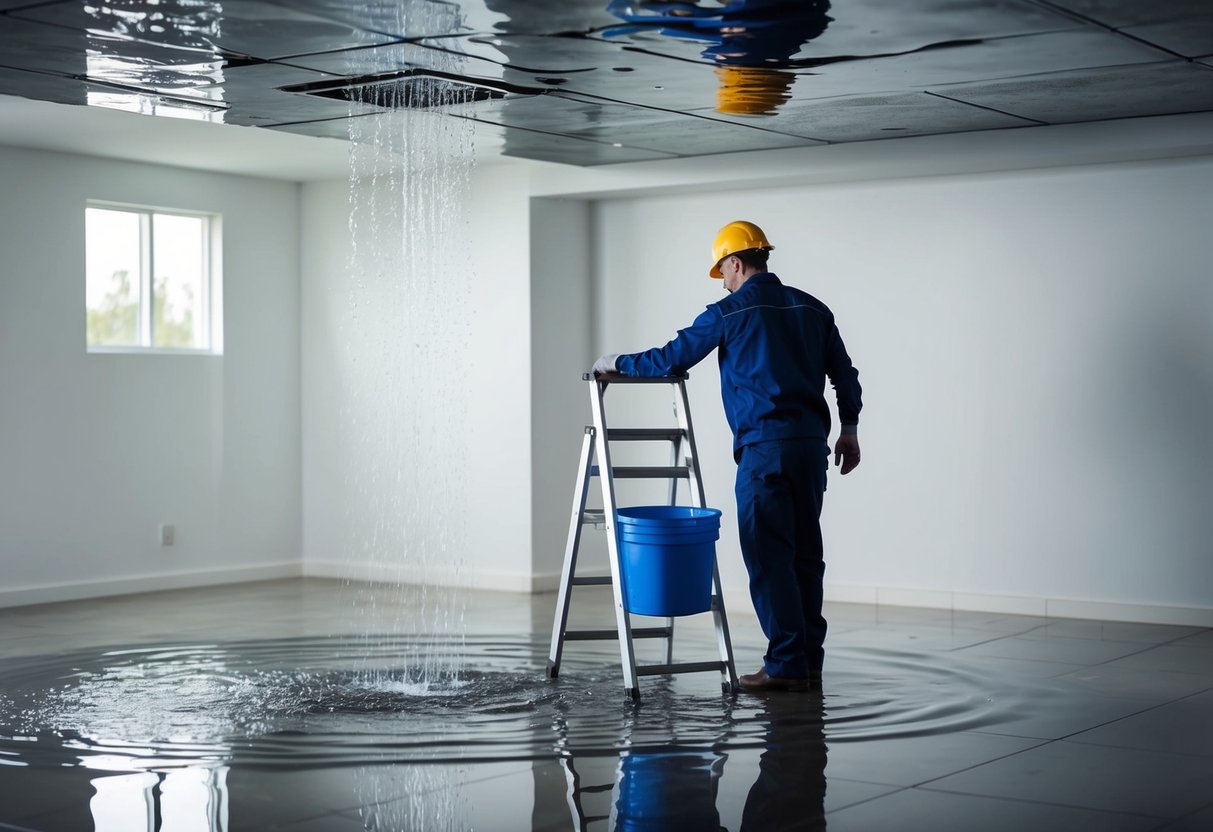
(606, 364)
(846, 452)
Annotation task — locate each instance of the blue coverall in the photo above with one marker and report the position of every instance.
(776, 346)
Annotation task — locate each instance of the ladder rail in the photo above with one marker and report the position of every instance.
(572, 546)
(724, 641)
(627, 650)
(596, 462)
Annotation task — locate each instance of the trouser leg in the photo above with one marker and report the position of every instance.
(766, 510)
(810, 563)
(780, 486)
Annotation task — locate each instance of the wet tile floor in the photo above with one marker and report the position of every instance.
(929, 720)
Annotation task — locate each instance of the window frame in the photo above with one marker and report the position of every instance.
(210, 302)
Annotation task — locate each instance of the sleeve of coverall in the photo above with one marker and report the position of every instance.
(689, 347)
(845, 379)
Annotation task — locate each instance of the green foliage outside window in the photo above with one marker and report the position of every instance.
(115, 321)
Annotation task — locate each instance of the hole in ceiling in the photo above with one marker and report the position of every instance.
(415, 89)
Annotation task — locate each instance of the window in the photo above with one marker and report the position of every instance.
(152, 280)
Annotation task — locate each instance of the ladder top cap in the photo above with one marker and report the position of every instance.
(617, 378)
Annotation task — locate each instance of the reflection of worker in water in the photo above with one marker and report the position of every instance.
(776, 346)
(750, 42)
(790, 790)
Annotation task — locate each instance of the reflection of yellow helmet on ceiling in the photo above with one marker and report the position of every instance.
(752, 91)
(734, 237)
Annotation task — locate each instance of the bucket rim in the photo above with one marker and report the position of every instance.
(666, 515)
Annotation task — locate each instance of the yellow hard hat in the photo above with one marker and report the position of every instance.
(738, 235)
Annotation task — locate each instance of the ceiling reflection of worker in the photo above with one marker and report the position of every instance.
(751, 42)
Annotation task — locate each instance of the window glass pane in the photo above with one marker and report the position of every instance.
(112, 277)
(178, 302)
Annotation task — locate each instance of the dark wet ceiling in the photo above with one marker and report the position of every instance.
(590, 83)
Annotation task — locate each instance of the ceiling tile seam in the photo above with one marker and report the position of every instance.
(1033, 121)
(30, 6)
(569, 93)
(117, 37)
(1069, 72)
(1152, 45)
(571, 136)
(278, 124)
(82, 78)
(1107, 27)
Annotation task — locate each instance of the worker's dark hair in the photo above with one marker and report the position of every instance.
(753, 258)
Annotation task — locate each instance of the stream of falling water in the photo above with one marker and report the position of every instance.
(406, 339)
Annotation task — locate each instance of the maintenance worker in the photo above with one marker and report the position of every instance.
(776, 346)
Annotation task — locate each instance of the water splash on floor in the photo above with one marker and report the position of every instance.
(308, 702)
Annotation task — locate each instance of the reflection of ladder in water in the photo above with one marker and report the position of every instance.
(596, 461)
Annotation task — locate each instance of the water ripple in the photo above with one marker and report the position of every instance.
(352, 700)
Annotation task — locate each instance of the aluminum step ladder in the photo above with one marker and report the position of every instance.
(596, 462)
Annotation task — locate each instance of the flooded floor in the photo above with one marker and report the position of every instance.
(313, 705)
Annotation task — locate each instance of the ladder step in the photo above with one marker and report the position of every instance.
(593, 517)
(682, 667)
(593, 580)
(645, 472)
(643, 434)
(601, 635)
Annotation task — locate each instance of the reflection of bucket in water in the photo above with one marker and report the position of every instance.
(668, 791)
(668, 554)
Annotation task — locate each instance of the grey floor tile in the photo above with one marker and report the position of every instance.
(1201, 639)
(1199, 821)
(911, 616)
(998, 623)
(1002, 667)
(1172, 658)
(1112, 631)
(908, 761)
(1150, 686)
(1184, 727)
(923, 637)
(943, 812)
(1053, 714)
(1078, 651)
(1093, 777)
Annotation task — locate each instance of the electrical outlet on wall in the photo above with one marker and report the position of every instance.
(168, 535)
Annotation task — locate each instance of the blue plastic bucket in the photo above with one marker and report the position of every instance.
(667, 554)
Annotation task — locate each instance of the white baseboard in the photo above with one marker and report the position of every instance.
(1021, 605)
(736, 598)
(78, 590)
(397, 574)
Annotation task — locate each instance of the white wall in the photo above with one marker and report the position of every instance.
(1034, 345)
(96, 451)
(560, 353)
(1037, 358)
